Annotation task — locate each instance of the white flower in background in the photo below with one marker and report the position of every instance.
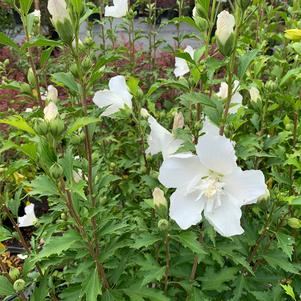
(144, 113)
(114, 99)
(178, 121)
(29, 219)
(254, 94)
(58, 10)
(209, 127)
(22, 256)
(37, 13)
(224, 26)
(159, 198)
(236, 100)
(50, 111)
(52, 93)
(28, 110)
(181, 66)
(212, 183)
(161, 140)
(118, 10)
(194, 12)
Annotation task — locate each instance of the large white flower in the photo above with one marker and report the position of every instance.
(118, 10)
(236, 100)
(161, 140)
(224, 26)
(210, 183)
(58, 10)
(114, 99)
(50, 111)
(181, 66)
(29, 219)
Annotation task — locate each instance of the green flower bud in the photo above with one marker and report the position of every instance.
(56, 127)
(87, 64)
(14, 273)
(63, 216)
(56, 171)
(30, 77)
(74, 70)
(41, 128)
(294, 223)
(19, 285)
(25, 88)
(163, 224)
(271, 85)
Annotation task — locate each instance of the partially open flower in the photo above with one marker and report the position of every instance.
(181, 66)
(58, 10)
(114, 99)
(50, 111)
(161, 140)
(159, 198)
(210, 183)
(254, 94)
(29, 219)
(224, 26)
(236, 99)
(118, 10)
(52, 93)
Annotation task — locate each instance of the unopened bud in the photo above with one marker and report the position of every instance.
(19, 285)
(163, 224)
(31, 77)
(14, 273)
(56, 171)
(41, 127)
(52, 93)
(294, 223)
(159, 198)
(56, 127)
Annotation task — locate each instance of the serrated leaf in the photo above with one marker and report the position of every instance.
(139, 293)
(262, 296)
(6, 288)
(189, 239)
(66, 80)
(4, 234)
(93, 287)
(18, 122)
(144, 240)
(58, 244)
(286, 243)
(276, 260)
(5, 40)
(80, 123)
(289, 291)
(245, 61)
(43, 186)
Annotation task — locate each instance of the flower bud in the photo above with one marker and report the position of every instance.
(271, 85)
(159, 198)
(19, 285)
(294, 223)
(293, 34)
(163, 224)
(63, 216)
(224, 32)
(52, 93)
(14, 273)
(56, 127)
(37, 14)
(30, 77)
(74, 70)
(178, 122)
(58, 10)
(41, 127)
(144, 113)
(56, 171)
(50, 111)
(254, 94)
(25, 88)
(86, 64)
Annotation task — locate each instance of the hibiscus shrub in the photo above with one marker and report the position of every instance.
(174, 184)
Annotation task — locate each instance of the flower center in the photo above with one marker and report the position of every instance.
(212, 186)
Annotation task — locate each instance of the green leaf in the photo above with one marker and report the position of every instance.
(42, 42)
(139, 293)
(188, 21)
(262, 296)
(18, 122)
(189, 239)
(93, 288)
(58, 244)
(188, 99)
(79, 189)
(25, 6)
(5, 40)
(286, 243)
(144, 240)
(290, 75)
(245, 61)
(40, 292)
(215, 280)
(43, 186)
(277, 260)
(289, 291)
(6, 288)
(81, 122)
(4, 234)
(66, 80)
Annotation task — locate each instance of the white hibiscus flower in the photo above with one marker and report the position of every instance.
(29, 219)
(118, 10)
(210, 183)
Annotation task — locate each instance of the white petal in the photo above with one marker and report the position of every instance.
(236, 102)
(216, 153)
(223, 91)
(29, 218)
(245, 186)
(224, 26)
(210, 128)
(180, 170)
(161, 140)
(190, 51)
(186, 210)
(118, 85)
(109, 99)
(52, 93)
(226, 218)
(181, 67)
(58, 10)
(50, 111)
(118, 10)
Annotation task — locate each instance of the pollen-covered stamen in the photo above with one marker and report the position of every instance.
(212, 186)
